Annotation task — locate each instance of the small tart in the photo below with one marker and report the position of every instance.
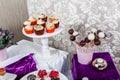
(56, 23)
(26, 23)
(29, 29)
(31, 77)
(2, 71)
(53, 18)
(50, 28)
(43, 17)
(32, 20)
(41, 22)
(39, 30)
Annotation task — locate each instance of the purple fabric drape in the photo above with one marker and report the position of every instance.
(22, 66)
(79, 70)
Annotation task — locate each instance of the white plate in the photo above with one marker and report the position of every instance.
(8, 76)
(62, 77)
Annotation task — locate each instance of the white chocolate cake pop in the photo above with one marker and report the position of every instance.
(91, 36)
(101, 35)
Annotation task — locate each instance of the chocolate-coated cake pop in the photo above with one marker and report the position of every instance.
(72, 38)
(70, 31)
(82, 43)
(97, 42)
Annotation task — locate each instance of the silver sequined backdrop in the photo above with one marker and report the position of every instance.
(82, 14)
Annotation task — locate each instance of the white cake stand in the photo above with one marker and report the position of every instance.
(45, 53)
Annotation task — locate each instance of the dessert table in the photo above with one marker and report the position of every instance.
(25, 47)
(79, 70)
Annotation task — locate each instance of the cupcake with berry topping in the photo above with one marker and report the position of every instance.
(54, 75)
(43, 17)
(26, 23)
(41, 22)
(29, 29)
(50, 28)
(33, 20)
(39, 30)
(56, 23)
(42, 74)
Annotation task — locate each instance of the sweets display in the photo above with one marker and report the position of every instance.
(94, 37)
(44, 75)
(41, 25)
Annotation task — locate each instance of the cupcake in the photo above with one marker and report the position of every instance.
(53, 18)
(41, 22)
(50, 28)
(42, 74)
(2, 71)
(43, 17)
(54, 75)
(56, 23)
(31, 77)
(32, 20)
(26, 23)
(39, 30)
(29, 29)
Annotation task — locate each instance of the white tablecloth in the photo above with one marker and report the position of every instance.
(59, 61)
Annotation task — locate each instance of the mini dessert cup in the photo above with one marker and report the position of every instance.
(26, 23)
(84, 54)
(56, 23)
(31, 77)
(39, 30)
(32, 20)
(50, 28)
(41, 22)
(29, 29)
(43, 17)
(2, 71)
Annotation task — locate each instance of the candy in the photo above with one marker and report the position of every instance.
(72, 38)
(101, 35)
(70, 31)
(91, 36)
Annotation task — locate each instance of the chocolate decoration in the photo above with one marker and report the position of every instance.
(97, 42)
(70, 31)
(87, 40)
(82, 43)
(98, 31)
(96, 37)
(72, 38)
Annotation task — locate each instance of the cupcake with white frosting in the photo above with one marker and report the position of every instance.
(43, 17)
(29, 29)
(26, 23)
(50, 28)
(41, 22)
(56, 23)
(39, 30)
(33, 20)
(53, 18)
